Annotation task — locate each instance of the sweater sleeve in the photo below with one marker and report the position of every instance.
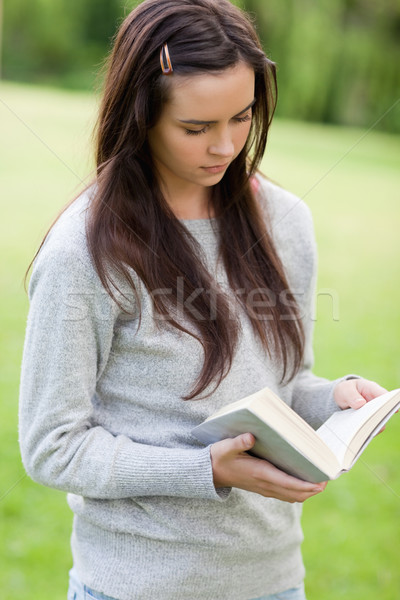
(67, 346)
(312, 396)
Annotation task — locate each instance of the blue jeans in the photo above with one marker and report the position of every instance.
(296, 593)
(80, 591)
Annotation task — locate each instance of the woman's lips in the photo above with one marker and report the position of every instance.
(216, 169)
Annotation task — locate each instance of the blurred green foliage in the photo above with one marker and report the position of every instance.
(51, 41)
(338, 59)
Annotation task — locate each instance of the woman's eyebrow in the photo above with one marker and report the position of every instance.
(196, 122)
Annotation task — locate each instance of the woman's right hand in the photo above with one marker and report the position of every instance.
(233, 467)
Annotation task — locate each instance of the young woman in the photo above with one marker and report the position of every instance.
(179, 281)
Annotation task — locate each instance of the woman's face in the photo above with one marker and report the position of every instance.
(202, 129)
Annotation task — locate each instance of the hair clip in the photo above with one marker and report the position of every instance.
(166, 70)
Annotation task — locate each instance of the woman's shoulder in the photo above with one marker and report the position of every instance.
(68, 233)
(289, 222)
(64, 250)
(281, 208)
(64, 261)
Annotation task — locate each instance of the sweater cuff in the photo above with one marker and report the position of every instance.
(171, 472)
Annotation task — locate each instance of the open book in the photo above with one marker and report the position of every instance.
(286, 440)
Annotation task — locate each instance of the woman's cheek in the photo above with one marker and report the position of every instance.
(192, 150)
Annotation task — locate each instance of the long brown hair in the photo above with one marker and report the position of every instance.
(130, 225)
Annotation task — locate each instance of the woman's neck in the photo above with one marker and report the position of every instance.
(189, 204)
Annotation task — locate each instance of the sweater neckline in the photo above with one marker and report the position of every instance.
(204, 226)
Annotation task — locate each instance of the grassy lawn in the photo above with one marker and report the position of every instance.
(350, 179)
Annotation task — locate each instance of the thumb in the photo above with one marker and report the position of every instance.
(236, 445)
(244, 442)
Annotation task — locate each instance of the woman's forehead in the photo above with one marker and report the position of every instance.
(211, 96)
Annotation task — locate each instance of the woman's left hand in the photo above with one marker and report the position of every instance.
(354, 393)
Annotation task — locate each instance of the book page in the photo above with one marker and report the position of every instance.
(346, 431)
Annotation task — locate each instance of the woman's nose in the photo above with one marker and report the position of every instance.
(222, 145)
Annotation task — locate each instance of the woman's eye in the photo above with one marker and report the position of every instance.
(195, 132)
(243, 119)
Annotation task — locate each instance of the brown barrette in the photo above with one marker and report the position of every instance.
(165, 52)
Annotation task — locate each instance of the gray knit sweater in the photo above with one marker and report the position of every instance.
(101, 417)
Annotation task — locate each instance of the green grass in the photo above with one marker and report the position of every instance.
(351, 182)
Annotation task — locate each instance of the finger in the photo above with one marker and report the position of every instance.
(305, 497)
(281, 479)
(347, 394)
(299, 495)
(355, 393)
(370, 389)
(317, 489)
(357, 401)
(355, 398)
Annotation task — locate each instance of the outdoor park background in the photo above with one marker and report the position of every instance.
(335, 143)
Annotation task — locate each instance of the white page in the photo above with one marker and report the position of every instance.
(338, 431)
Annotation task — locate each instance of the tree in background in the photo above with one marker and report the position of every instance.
(58, 42)
(338, 60)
